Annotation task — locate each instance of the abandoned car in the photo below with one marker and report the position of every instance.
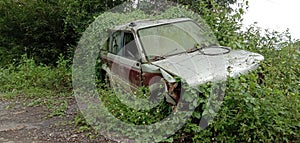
(146, 52)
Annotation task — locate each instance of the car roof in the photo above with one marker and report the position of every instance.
(140, 24)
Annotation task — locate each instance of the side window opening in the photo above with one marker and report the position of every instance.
(123, 44)
(116, 43)
(130, 47)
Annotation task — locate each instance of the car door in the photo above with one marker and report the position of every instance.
(124, 60)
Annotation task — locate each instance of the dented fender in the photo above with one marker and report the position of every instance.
(169, 82)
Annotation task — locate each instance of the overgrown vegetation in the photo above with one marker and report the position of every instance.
(37, 84)
(262, 106)
(44, 29)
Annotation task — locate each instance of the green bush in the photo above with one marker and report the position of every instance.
(262, 106)
(28, 79)
(32, 27)
(44, 29)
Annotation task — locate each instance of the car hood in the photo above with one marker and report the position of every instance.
(197, 68)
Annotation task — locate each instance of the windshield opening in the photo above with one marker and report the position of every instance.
(173, 38)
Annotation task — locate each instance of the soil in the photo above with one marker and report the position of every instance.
(22, 124)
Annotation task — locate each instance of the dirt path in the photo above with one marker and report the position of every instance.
(21, 124)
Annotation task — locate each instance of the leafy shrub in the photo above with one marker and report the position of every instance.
(44, 29)
(262, 106)
(29, 79)
(32, 27)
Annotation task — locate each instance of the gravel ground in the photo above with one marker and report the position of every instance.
(21, 124)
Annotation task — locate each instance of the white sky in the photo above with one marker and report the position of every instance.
(275, 15)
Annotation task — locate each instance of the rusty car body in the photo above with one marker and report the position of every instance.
(147, 52)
